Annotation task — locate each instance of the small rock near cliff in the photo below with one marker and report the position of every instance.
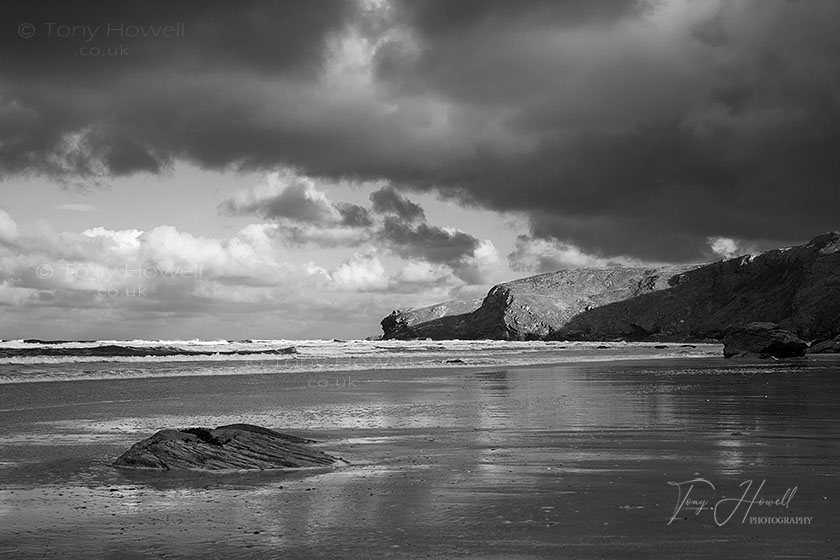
(831, 346)
(763, 340)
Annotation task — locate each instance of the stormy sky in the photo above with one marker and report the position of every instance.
(298, 169)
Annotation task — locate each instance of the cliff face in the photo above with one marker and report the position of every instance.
(536, 307)
(441, 321)
(797, 288)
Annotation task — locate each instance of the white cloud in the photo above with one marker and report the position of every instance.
(123, 240)
(727, 247)
(8, 228)
(476, 268)
(423, 272)
(538, 255)
(486, 255)
(169, 248)
(362, 272)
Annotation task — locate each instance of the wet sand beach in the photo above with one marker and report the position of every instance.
(556, 461)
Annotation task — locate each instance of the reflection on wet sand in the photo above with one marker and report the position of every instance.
(517, 462)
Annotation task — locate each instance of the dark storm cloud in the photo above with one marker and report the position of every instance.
(102, 88)
(481, 51)
(435, 18)
(263, 35)
(623, 128)
(430, 243)
(305, 216)
(387, 200)
(651, 127)
(296, 199)
(353, 215)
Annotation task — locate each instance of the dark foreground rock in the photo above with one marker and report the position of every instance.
(236, 446)
(797, 288)
(763, 340)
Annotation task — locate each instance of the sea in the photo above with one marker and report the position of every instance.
(28, 360)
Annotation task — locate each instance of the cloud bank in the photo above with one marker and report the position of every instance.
(303, 215)
(275, 275)
(625, 129)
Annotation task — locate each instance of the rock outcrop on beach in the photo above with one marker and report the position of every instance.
(762, 340)
(797, 288)
(236, 446)
(831, 346)
(438, 321)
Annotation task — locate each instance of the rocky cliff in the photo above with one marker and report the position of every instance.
(798, 288)
(441, 321)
